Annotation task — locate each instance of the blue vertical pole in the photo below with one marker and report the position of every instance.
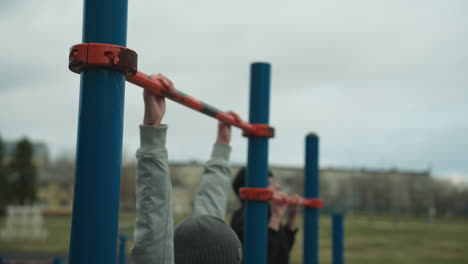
(122, 249)
(311, 190)
(99, 142)
(338, 239)
(256, 212)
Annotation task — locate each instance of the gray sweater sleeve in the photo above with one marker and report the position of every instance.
(154, 231)
(213, 194)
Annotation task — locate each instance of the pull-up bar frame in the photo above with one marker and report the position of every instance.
(103, 61)
(99, 55)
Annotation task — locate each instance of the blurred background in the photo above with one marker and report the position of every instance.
(383, 83)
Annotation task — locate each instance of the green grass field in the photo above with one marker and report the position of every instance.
(411, 241)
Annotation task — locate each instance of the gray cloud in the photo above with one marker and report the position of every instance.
(383, 82)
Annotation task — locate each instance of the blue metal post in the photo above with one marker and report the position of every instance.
(122, 249)
(311, 190)
(256, 212)
(99, 143)
(338, 239)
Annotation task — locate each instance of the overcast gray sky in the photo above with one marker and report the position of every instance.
(384, 83)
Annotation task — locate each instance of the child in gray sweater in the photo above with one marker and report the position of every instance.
(203, 238)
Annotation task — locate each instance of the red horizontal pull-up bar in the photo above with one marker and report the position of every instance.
(154, 85)
(98, 55)
(265, 194)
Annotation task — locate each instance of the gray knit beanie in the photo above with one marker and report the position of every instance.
(204, 239)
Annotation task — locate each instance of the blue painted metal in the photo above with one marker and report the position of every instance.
(2, 260)
(338, 239)
(99, 143)
(57, 261)
(311, 190)
(122, 249)
(256, 212)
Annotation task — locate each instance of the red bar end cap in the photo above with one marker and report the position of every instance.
(313, 203)
(260, 130)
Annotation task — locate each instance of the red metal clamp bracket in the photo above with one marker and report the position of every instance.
(260, 130)
(256, 194)
(313, 202)
(99, 55)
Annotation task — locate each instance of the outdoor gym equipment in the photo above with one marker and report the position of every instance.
(104, 63)
(103, 68)
(98, 55)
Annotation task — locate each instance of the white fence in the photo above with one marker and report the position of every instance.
(23, 223)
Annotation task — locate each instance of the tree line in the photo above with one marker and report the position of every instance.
(18, 175)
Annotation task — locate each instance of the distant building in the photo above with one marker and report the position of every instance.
(341, 188)
(54, 182)
(349, 189)
(55, 188)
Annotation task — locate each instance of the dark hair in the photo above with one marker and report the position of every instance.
(239, 181)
